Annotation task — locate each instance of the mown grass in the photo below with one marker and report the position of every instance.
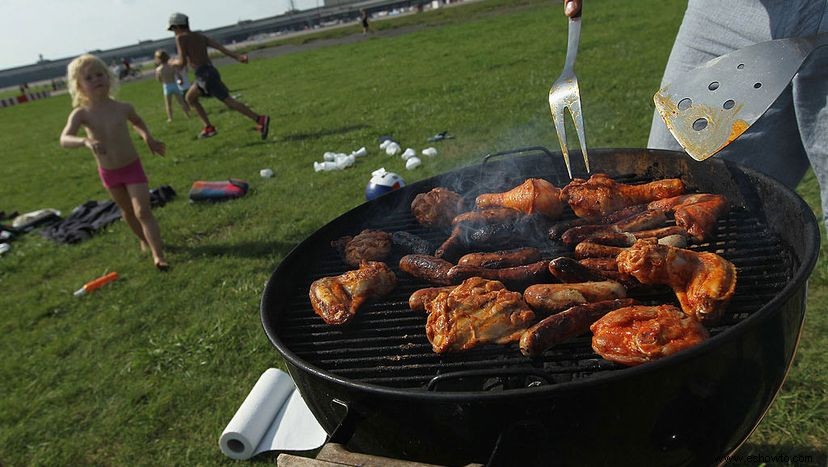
(149, 370)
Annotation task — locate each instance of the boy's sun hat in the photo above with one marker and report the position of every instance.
(178, 19)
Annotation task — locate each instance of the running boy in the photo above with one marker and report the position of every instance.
(107, 136)
(192, 49)
(169, 76)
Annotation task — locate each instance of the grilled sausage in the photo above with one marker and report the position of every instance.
(552, 298)
(596, 250)
(412, 243)
(501, 259)
(661, 233)
(513, 277)
(429, 268)
(558, 228)
(563, 326)
(649, 219)
(568, 270)
(419, 298)
(608, 264)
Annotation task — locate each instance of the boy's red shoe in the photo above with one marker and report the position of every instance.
(263, 125)
(207, 132)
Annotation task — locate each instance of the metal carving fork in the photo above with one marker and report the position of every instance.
(564, 94)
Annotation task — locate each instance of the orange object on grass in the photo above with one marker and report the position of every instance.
(95, 284)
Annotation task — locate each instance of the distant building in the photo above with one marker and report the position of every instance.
(334, 12)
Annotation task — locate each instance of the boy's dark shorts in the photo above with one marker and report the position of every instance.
(209, 82)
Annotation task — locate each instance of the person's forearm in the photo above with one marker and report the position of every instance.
(71, 141)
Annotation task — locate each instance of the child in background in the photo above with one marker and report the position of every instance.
(169, 76)
(107, 136)
(192, 49)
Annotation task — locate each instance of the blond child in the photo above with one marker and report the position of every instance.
(169, 76)
(107, 136)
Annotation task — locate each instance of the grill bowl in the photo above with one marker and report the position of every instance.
(376, 384)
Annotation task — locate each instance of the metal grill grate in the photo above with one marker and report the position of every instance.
(386, 344)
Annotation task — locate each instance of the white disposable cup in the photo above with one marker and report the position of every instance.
(266, 173)
(430, 152)
(360, 152)
(413, 163)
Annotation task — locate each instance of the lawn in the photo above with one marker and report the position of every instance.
(149, 370)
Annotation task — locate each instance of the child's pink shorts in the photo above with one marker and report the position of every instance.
(130, 174)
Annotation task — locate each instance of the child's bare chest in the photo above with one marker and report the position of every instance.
(107, 125)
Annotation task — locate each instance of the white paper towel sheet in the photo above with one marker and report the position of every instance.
(273, 417)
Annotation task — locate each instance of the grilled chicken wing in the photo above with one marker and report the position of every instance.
(437, 208)
(552, 298)
(336, 299)
(476, 312)
(368, 245)
(601, 195)
(535, 195)
(703, 282)
(639, 334)
(697, 213)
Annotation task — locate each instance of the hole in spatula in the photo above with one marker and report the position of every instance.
(685, 103)
(700, 124)
(713, 86)
(757, 85)
(728, 104)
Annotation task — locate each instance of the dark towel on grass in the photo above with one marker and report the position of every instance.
(91, 216)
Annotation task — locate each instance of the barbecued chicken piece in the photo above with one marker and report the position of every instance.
(336, 299)
(703, 282)
(552, 298)
(476, 312)
(639, 334)
(601, 195)
(437, 208)
(368, 245)
(597, 250)
(417, 301)
(535, 195)
(697, 213)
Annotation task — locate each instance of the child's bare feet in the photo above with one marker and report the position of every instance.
(161, 264)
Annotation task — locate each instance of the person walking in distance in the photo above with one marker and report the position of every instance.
(105, 123)
(168, 76)
(192, 50)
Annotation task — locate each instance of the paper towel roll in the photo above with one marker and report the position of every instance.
(272, 417)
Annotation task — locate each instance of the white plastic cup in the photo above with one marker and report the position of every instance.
(342, 161)
(412, 163)
(392, 149)
(361, 152)
(430, 152)
(266, 173)
(408, 153)
(4, 247)
(385, 144)
(324, 166)
(329, 156)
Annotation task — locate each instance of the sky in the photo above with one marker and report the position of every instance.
(65, 28)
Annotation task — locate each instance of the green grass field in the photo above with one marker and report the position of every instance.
(149, 370)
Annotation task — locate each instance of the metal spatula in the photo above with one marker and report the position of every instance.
(715, 103)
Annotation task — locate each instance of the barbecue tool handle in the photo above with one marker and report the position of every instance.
(484, 170)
